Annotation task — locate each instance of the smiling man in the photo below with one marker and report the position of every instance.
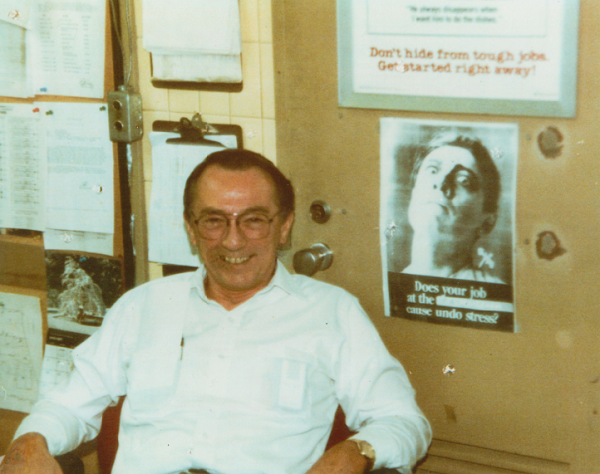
(454, 202)
(237, 223)
(239, 367)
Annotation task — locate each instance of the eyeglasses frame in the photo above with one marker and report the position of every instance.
(235, 215)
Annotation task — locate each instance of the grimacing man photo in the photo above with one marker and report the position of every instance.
(453, 203)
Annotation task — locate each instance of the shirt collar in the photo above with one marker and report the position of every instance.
(282, 280)
(286, 281)
(197, 281)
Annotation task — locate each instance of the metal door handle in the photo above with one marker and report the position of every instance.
(310, 261)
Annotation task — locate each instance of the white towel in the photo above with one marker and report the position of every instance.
(222, 68)
(193, 40)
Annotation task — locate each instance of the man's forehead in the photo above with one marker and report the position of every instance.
(244, 184)
(250, 210)
(216, 171)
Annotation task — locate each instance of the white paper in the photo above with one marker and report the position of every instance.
(203, 44)
(191, 26)
(56, 367)
(458, 48)
(14, 81)
(77, 241)
(58, 358)
(80, 190)
(171, 166)
(22, 167)
(67, 48)
(20, 351)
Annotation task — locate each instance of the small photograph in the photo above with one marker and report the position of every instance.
(447, 214)
(81, 288)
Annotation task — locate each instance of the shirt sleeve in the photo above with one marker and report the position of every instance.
(72, 413)
(376, 395)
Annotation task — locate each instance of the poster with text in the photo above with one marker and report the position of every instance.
(447, 221)
(491, 51)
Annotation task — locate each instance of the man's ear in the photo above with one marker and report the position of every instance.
(488, 224)
(286, 229)
(190, 231)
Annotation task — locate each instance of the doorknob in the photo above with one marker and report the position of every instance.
(309, 261)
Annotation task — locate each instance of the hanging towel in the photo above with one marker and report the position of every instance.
(193, 40)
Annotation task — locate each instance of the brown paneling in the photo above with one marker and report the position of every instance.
(22, 262)
(450, 458)
(534, 393)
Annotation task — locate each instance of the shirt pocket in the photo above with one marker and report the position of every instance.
(275, 380)
(293, 380)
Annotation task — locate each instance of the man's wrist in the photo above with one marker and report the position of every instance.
(366, 450)
(33, 436)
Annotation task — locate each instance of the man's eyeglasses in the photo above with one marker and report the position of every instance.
(253, 225)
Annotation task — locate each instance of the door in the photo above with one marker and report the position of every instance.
(527, 401)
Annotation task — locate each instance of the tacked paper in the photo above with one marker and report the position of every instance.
(20, 351)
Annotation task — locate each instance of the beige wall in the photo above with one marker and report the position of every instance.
(524, 402)
(253, 108)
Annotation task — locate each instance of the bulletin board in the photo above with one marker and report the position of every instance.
(23, 259)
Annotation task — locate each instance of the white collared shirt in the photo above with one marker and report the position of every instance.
(248, 391)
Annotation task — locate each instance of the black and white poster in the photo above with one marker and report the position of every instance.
(81, 288)
(447, 221)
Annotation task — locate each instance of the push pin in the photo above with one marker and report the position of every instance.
(448, 370)
(391, 230)
(497, 153)
(14, 15)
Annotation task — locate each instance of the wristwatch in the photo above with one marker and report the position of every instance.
(366, 450)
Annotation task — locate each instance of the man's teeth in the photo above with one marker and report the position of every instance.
(235, 260)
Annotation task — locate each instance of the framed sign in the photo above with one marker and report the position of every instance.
(510, 57)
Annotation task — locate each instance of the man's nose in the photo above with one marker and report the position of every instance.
(233, 237)
(447, 185)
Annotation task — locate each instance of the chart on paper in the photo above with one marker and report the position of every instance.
(20, 351)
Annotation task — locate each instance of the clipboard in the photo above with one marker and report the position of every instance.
(195, 131)
(177, 150)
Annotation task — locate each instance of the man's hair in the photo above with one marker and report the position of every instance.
(489, 172)
(241, 160)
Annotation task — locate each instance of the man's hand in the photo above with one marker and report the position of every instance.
(28, 454)
(343, 458)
